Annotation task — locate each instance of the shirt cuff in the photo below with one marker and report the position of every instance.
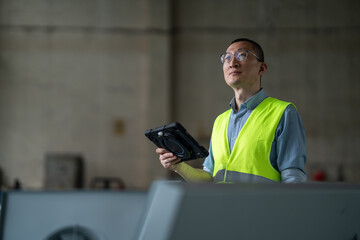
(293, 175)
(207, 170)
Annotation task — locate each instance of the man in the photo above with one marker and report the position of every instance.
(259, 139)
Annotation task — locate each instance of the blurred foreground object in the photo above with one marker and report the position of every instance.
(85, 215)
(252, 211)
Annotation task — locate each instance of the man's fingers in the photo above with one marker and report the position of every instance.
(169, 155)
(167, 159)
(164, 152)
(169, 163)
(160, 150)
(170, 159)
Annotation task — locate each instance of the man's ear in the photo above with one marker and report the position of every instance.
(262, 68)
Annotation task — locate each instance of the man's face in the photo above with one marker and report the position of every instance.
(246, 73)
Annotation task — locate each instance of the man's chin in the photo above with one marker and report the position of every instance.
(234, 83)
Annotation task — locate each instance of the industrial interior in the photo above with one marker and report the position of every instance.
(82, 80)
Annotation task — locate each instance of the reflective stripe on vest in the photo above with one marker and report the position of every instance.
(250, 157)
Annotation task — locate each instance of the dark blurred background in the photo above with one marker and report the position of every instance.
(82, 80)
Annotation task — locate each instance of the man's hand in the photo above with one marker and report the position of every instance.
(167, 159)
(170, 160)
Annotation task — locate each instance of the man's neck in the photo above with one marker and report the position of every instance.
(242, 95)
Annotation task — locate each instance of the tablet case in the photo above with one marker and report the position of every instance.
(174, 138)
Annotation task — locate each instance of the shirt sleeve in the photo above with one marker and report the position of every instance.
(290, 146)
(208, 164)
(293, 175)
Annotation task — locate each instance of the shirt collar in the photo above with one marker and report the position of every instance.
(252, 102)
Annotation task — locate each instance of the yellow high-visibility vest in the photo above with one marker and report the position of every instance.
(250, 157)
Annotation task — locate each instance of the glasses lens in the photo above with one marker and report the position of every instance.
(241, 55)
(226, 57)
(222, 58)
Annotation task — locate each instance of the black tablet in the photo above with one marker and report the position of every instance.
(174, 138)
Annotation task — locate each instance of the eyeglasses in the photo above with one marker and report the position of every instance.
(240, 55)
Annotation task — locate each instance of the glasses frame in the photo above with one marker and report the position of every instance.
(222, 56)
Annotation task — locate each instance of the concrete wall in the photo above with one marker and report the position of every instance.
(71, 71)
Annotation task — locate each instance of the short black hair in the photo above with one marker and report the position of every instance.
(257, 48)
